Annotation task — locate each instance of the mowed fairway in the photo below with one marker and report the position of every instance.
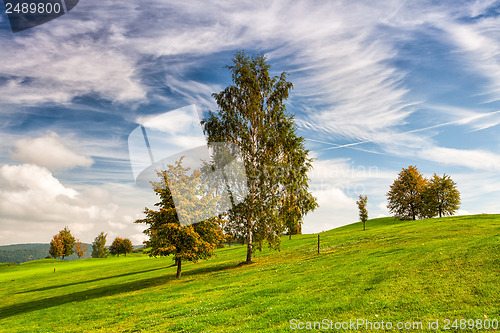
(411, 271)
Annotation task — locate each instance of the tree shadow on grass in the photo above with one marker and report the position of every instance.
(105, 291)
(93, 280)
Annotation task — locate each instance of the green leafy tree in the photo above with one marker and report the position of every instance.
(68, 242)
(441, 196)
(99, 249)
(405, 197)
(62, 244)
(252, 115)
(166, 234)
(121, 246)
(363, 212)
(80, 248)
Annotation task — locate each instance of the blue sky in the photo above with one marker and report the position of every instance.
(378, 86)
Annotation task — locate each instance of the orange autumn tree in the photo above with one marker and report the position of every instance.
(56, 246)
(166, 234)
(121, 246)
(405, 197)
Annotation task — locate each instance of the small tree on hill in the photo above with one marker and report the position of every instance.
(363, 213)
(405, 197)
(121, 246)
(441, 196)
(99, 249)
(166, 235)
(68, 242)
(62, 244)
(127, 246)
(56, 246)
(80, 248)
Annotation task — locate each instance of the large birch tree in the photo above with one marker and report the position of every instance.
(252, 115)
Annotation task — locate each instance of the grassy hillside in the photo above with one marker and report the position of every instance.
(394, 271)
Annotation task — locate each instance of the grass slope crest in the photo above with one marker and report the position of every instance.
(395, 271)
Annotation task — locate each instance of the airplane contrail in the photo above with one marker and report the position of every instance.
(460, 121)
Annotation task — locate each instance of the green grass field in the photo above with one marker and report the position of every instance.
(406, 272)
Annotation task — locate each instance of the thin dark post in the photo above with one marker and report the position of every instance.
(318, 243)
(179, 263)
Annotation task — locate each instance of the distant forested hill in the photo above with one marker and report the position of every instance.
(26, 252)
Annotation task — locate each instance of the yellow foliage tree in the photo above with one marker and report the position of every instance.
(405, 197)
(166, 235)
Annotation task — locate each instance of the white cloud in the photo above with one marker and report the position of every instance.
(32, 193)
(480, 46)
(48, 151)
(335, 209)
(193, 91)
(474, 159)
(382, 206)
(138, 239)
(34, 205)
(340, 59)
(345, 174)
(462, 212)
(475, 118)
(69, 57)
(340, 56)
(337, 183)
(118, 225)
(467, 38)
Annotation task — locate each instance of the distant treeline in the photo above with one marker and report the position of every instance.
(26, 252)
(19, 253)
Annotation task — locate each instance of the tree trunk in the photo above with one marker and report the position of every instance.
(62, 257)
(179, 264)
(249, 246)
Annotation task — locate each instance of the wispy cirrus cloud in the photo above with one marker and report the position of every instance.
(108, 63)
(479, 43)
(38, 69)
